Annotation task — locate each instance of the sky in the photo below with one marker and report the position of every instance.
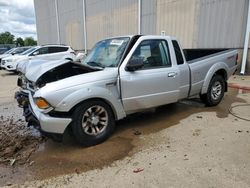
(18, 17)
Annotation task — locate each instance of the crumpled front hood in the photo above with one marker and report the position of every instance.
(36, 68)
(76, 82)
(27, 64)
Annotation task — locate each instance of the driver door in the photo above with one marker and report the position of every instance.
(156, 83)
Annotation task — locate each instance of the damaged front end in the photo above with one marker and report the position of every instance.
(22, 99)
(30, 84)
(59, 72)
(23, 102)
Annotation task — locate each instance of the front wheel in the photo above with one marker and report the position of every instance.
(93, 122)
(215, 91)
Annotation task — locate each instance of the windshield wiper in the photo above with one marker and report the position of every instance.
(95, 64)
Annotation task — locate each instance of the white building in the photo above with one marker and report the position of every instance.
(196, 23)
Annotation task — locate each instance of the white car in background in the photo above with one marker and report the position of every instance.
(23, 66)
(13, 51)
(45, 52)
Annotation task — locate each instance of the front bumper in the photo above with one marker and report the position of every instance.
(9, 66)
(40, 120)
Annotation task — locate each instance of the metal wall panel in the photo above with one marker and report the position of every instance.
(71, 23)
(196, 23)
(178, 18)
(221, 23)
(45, 21)
(148, 17)
(107, 18)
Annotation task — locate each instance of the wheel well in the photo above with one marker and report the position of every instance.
(222, 73)
(100, 99)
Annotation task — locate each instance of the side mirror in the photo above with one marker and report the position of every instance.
(35, 53)
(135, 63)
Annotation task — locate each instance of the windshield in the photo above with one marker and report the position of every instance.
(9, 51)
(107, 53)
(29, 51)
(20, 50)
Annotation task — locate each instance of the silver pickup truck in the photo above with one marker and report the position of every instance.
(120, 76)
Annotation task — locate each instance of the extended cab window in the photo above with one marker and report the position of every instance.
(57, 49)
(178, 53)
(154, 53)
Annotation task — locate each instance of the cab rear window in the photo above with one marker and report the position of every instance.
(178, 53)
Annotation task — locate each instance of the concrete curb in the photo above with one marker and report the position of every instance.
(237, 86)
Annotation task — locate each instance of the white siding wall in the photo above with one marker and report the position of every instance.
(221, 23)
(110, 18)
(178, 18)
(71, 23)
(148, 17)
(196, 23)
(46, 22)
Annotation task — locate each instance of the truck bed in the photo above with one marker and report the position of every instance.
(192, 54)
(200, 66)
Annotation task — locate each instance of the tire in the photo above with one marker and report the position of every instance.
(215, 91)
(93, 122)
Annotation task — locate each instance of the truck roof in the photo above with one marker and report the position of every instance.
(150, 36)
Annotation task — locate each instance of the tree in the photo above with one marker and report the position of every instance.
(19, 41)
(6, 38)
(29, 41)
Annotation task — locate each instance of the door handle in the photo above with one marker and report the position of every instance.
(172, 74)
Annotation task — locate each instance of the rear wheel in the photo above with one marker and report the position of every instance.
(93, 122)
(215, 91)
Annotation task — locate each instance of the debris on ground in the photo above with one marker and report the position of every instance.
(9, 184)
(18, 141)
(77, 171)
(138, 170)
(136, 132)
(199, 117)
(196, 132)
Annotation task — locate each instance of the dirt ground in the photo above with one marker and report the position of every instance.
(177, 145)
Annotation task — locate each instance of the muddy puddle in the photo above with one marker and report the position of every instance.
(53, 159)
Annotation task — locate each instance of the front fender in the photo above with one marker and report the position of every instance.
(71, 100)
(210, 74)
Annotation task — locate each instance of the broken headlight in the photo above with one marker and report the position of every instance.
(22, 82)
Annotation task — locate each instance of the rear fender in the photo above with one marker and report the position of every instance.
(211, 73)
